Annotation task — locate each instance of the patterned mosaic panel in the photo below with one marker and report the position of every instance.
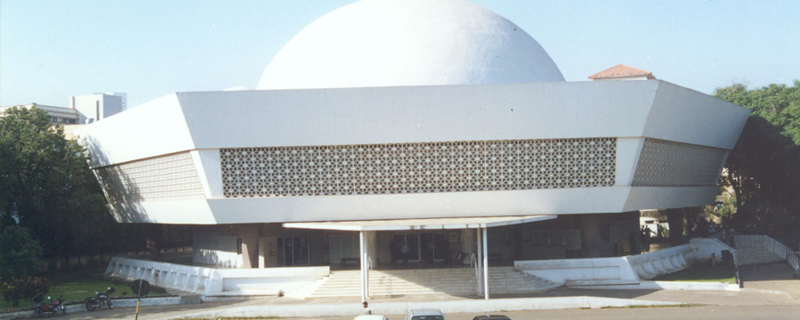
(172, 177)
(418, 167)
(672, 164)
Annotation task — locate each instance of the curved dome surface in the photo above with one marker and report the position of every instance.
(375, 43)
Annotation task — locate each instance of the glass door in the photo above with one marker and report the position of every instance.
(293, 251)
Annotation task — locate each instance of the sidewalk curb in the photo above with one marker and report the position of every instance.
(667, 285)
(460, 306)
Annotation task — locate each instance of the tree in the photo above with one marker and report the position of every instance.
(763, 170)
(47, 187)
(20, 254)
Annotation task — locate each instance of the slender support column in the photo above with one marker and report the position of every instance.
(478, 275)
(485, 264)
(363, 250)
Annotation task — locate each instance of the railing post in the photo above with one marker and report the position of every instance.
(485, 264)
(478, 276)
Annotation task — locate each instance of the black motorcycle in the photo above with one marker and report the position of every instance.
(102, 299)
(47, 309)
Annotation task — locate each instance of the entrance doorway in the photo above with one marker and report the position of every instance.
(293, 251)
(343, 247)
(422, 247)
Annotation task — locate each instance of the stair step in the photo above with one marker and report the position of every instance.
(755, 255)
(459, 281)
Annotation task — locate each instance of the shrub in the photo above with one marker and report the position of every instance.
(16, 289)
(727, 256)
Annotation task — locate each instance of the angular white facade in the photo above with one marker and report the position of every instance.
(404, 152)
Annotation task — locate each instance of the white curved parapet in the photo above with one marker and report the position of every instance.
(629, 271)
(210, 281)
(653, 264)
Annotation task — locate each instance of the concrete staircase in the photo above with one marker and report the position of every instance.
(457, 282)
(755, 255)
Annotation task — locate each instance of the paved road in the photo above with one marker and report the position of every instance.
(705, 313)
(656, 313)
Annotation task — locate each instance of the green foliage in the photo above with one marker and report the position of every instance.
(16, 289)
(763, 170)
(77, 285)
(46, 185)
(20, 254)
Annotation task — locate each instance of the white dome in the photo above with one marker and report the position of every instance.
(375, 43)
(238, 88)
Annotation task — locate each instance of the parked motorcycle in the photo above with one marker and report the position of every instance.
(102, 299)
(47, 309)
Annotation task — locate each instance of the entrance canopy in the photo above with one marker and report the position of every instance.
(419, 224)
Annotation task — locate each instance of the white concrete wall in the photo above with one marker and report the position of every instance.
(615, 270)
(703, 248)
(203, 122)
(210, 248)
(269, 280)
(627, 270)
(653, 264)
(209, 281)
(313, 117)
(152, 129)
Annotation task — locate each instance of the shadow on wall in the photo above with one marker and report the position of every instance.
(212, 250)
(212, 259)
(122, 194)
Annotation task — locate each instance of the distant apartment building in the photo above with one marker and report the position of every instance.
(91, 107)
(94, 107)
(57, 114)
(82, 110)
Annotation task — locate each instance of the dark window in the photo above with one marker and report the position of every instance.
(605, 232)
(239, 245)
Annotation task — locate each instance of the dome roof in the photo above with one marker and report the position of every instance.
(374, 43)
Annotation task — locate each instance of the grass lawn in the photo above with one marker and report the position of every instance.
(76, 286)
(703, 273)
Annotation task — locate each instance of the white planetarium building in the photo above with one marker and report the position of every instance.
(439, 126)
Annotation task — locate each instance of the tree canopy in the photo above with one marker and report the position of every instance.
(46, 185)
(763, 169)
(20, 254)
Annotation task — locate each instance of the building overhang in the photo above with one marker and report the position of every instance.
(419, 224)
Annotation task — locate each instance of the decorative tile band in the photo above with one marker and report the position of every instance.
(418, 167)
(672, 164)
(172, 177)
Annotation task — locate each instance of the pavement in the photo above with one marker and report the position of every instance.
(764, 285)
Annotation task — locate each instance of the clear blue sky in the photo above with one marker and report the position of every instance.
(54, 49)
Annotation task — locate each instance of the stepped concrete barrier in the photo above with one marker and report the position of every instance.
(653, 264)
(628, 271)
(705, 248)
(615, 270)
(210, 281)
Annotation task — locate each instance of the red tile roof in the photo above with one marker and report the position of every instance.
(621, 71)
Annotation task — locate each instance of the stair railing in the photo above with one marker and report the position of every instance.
(782, 251)
(473, 262)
